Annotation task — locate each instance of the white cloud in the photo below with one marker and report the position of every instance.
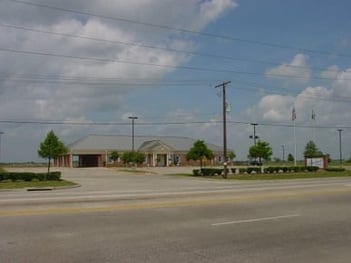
(330, 104)
(55, 88)
(330, 73)
(295, 71)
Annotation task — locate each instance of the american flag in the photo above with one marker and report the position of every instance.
(293, 114)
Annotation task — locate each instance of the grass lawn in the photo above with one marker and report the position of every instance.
(321, 174)
(35, 184)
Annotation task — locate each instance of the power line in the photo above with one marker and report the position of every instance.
(158, 65)
(199, 83)
(181, 30)
(163, 48)
(87, 123)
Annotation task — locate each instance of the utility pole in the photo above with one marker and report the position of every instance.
(283, 148)
(340, 150)
(223, 85)
(133, 118)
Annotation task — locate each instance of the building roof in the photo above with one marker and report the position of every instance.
(124, 143)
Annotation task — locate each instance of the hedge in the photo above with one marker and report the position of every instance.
(26, 176)
(257, 170)
(335, 169)
(208, 171)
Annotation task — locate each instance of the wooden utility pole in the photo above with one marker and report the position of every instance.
(225, 158)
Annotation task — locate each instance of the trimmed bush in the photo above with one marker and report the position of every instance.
(26, 176)
(312, 168)
(196, 172)
(242, 170)
(335, 169)
(254, 169)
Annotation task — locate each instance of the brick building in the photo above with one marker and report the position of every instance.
(95, 151)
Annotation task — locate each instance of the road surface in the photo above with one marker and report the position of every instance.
(122, 217)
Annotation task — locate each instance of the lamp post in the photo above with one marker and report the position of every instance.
(133, 118)
(1, 133)
(283, 148)
(340, 150)
(254, 137)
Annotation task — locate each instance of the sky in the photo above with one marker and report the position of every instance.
(83, 67)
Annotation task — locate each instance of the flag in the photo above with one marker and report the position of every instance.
(228, 106)
(313, 115)
(293, 114)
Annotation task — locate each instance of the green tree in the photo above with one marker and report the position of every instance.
(261, 150)
(199, 151)
(51, 148)
(311, 150)
(114, 156)
(231, 156)
(290, 158)
(133, 157)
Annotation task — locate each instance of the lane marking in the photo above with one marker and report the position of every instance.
(255, 220)
(147, 204)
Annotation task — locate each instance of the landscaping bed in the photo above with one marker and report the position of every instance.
(257, 173)
(13, 180)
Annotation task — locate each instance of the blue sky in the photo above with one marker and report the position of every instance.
(90, 62)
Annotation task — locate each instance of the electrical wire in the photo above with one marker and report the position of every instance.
(187, 52)
(180, 30)
(71, 123)
(94, 59)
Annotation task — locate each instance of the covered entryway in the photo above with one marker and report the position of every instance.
(88, 160)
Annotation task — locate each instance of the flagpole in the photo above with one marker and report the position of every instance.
(314, 126)
(294, 143)
(293, 118)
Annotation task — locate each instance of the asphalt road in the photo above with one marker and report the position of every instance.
(153, 218)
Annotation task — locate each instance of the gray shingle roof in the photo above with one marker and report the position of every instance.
(123, 142)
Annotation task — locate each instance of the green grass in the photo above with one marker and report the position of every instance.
(289, 176)
(35, 184)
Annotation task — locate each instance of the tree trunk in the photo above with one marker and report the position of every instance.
(49, 162)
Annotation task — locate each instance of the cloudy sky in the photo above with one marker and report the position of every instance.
(82, 67)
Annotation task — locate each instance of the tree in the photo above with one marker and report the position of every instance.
(290, 158)
(133, 157)
(311, 150)
(51, 148)
(261, 150)
(199, 151)
(231, 156)
(114, 156)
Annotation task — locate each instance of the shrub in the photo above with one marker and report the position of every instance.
(54, 176)
(213, 171)
(26, 176)
(242, 170)
(312, 168)
(254, 169)
(335, 169)
(196, 172)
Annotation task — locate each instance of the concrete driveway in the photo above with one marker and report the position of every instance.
(119, 179)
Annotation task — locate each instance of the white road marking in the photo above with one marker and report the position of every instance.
(255, 220)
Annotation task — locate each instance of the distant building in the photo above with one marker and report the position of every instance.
(95, 151)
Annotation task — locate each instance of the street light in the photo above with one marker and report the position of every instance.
(340, 153)
(254, 137)
(283, 148)
(133, 118)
